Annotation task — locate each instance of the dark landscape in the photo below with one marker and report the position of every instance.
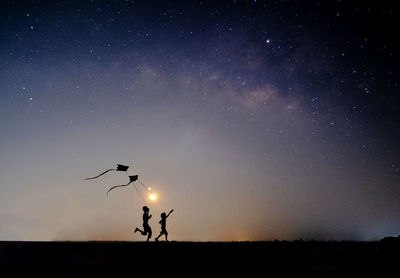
(205, 258)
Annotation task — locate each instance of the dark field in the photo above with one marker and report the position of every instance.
(200, 258)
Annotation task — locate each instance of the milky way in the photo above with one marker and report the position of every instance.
(254, 120)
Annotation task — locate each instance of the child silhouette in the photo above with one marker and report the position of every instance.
(163, 223)
(146, 226)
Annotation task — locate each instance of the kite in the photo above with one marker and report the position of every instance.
(120, 167)
(131, 179)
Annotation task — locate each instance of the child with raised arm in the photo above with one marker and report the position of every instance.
(163, 223)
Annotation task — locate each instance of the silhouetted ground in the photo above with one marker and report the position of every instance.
(327, 259)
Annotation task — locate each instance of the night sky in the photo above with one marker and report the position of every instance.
(254, 120)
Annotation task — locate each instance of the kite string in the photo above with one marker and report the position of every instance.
(137, 190)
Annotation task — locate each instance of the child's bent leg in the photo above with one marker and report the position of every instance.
(140, 231)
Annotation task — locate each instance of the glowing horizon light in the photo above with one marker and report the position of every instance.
(153, 197)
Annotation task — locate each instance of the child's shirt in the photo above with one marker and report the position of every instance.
(146, 218)
(163, 223)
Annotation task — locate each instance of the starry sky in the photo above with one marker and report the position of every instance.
(254, 120)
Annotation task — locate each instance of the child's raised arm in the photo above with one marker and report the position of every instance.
(170, 212)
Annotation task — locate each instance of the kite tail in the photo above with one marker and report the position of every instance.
(100, 174)
(116, 187)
